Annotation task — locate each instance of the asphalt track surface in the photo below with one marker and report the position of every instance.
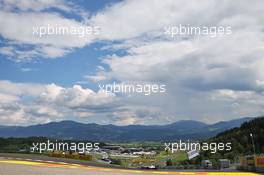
(19, 166)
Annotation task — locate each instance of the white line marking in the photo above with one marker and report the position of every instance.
(39, 160)
(75, 164)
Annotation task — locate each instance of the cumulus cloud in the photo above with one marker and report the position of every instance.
(207, 78)
(77, 97)
(19, 89)
(29, 13)
(193, 68)
(32, 103)
(7, 98)
(29, 103)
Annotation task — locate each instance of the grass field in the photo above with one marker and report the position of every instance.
(160, 159)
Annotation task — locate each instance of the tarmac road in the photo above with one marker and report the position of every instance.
(12, 166)
(18, 169)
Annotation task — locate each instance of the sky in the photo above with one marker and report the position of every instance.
(57, 77)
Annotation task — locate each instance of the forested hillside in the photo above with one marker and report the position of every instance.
(240, 139)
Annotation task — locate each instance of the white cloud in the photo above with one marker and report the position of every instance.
(7, 98)
(37, 103)
(29, 103)
(96, 78)
(241, 103)
(19, 89)
(36, 5)
(27, 69)
(193, 68)
(234, 95)
(130, 22)
(260, 83)
(218, 77)
(76, 97)
(126, 120)
(17, 28)
(153, 17)
(28, 20)
(13, 116)
(7, 51)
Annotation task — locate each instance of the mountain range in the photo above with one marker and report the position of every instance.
(184, 129)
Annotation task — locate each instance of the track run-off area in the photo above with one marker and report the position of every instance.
(19, 166)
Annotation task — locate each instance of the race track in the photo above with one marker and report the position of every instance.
(11, 166)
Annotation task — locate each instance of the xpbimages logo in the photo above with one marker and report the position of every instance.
(204, 146)
(80, 31)
(133, 87)
(80, 147)
(185, 30)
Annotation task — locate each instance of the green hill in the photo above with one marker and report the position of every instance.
(240, 139)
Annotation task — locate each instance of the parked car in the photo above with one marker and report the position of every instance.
(149, 167)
